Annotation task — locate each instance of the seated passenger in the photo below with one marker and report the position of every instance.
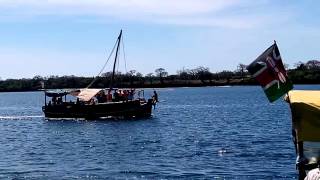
(101, 97)
(109, 96)
(120, 95)
(93, 101)
(130, 95)
(54, 100)
(116, 96)
(125, 95)
(59, 100)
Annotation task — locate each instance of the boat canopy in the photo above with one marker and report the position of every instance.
(57, 93)
(87, 94)
(83, 94)
(305, 108)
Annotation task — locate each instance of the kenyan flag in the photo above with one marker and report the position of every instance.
(269, 71)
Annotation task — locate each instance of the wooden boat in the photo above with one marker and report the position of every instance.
(110, 104)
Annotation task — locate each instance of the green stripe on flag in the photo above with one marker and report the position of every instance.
(274, 92)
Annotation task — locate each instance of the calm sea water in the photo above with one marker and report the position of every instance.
(195, 133)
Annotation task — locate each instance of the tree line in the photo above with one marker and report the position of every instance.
(302, 73)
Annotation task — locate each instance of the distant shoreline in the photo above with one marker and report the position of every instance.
(164, 85)
(133, 84)
(304, 73)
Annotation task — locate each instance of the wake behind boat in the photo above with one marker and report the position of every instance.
(99, 103)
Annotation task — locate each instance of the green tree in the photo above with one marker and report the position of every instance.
(161, 72)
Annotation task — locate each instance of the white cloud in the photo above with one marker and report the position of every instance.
(181, 12)
(104, 7)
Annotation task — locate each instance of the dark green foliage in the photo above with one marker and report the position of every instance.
(304, 73)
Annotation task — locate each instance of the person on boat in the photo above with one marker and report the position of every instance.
(139, 95)
(104, 96)
(59, 100)
(125, 95)
(54, 100)
(93, 101)
(101, 97)
(78, 101)
(116, 96)
(121, 95)
(130, 95)
(155, 97)
(313, 174)
(109, 96)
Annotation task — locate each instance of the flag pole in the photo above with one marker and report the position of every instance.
(275, 42)
(287, 93)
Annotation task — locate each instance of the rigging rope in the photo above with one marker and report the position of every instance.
(104, 66)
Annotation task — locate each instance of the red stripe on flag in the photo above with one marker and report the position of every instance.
(265, 77)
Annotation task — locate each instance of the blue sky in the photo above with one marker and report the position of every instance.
(66, 37)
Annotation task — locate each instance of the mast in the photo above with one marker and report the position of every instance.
(115, 60)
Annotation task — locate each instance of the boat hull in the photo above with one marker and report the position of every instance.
(126, 109)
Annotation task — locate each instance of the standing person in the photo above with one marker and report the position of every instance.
(154, 99)
(155, 96)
